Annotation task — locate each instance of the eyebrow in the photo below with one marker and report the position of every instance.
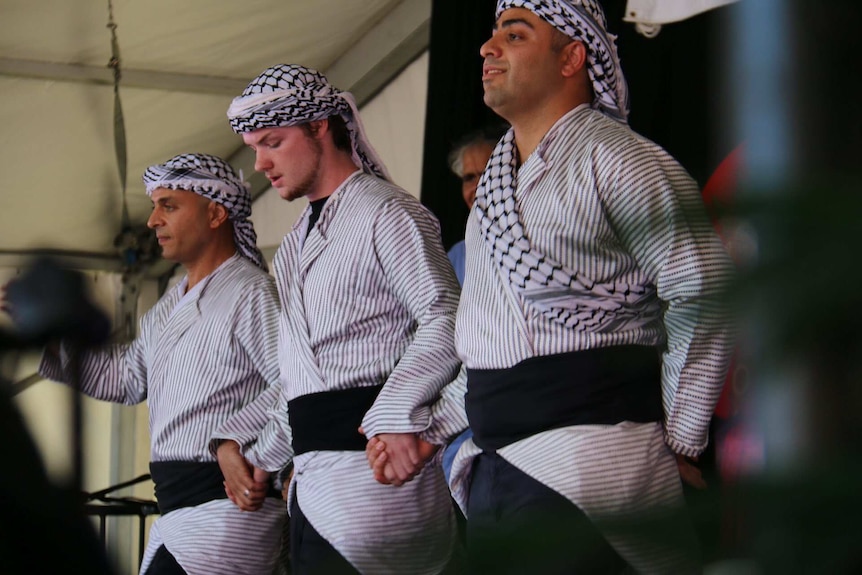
(511, 22)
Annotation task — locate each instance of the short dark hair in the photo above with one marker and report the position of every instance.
(490, 134)
(339, 131)
(560, 41)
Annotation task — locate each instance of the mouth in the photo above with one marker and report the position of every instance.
(274, 180)
(489, 72)
(163, 239)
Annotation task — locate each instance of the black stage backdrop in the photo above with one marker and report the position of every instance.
(679, 97)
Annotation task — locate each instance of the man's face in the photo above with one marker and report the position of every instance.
(473, 163)
(181, 220)
(521, 70)
(289, 157)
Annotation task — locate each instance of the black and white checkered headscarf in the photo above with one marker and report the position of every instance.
(214, 179)
(584, 20)
(290, 95)
(561, 294)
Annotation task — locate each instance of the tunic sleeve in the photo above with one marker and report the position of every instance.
(656, 210)
(407, 245)
(273, 448)
(116, 373)
(256, 331)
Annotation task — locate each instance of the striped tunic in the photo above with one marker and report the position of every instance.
(369, 298)
(615, 207)
(199, 366)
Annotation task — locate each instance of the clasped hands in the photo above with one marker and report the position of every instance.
(245, 485)
(396, 458)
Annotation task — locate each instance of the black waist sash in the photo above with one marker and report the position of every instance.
(596, 386)
(329, 421)
(189, 483)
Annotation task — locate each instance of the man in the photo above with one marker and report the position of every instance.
(366, 338)
(205, 352)
(591, 323)
(467, 161)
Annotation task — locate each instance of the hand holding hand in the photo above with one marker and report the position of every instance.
(245, 485)
(396, 458)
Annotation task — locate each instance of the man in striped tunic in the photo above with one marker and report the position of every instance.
(591, 323)
(366, 338)
(205, 358)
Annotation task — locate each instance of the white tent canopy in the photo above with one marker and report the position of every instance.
(181, 63)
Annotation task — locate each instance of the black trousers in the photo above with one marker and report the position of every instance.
(163, 563)
(310, 553)
(517, 525)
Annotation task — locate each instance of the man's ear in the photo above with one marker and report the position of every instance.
(217, 213)
(318, 128)
(574, 58)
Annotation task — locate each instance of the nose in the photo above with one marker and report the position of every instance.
(155, 220)
(490, 47)
(261, 162)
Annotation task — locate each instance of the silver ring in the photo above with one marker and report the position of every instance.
(245, 492)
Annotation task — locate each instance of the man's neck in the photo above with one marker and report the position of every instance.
(206, 265)
(530, 128)
(333, 171)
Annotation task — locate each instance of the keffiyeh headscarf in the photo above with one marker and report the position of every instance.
(584, 20)
(560, 294)
(214, 179)
(290, 95)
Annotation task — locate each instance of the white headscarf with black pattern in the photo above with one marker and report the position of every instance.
(584, 20)
(214, 179)
(289, 95)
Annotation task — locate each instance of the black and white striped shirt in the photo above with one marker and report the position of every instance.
(615, 207)
(368, 298)
(199, 366)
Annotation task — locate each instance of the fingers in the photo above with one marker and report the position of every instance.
(396, 458)
(229, 493)
(248, 499)
(260, 476)
(373, 449)
(245, 485)
(689, 472)
(382, 467)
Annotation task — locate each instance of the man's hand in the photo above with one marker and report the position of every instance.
(396, 458)
(689, 472)
(244, 484)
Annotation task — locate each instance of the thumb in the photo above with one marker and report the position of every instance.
(260, 476)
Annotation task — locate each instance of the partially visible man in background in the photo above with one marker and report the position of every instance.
(467, 161)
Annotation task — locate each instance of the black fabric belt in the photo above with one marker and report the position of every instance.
(596, 386)
(189, 483)
(329, 421)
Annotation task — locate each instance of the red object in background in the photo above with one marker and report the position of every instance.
(719, 190)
